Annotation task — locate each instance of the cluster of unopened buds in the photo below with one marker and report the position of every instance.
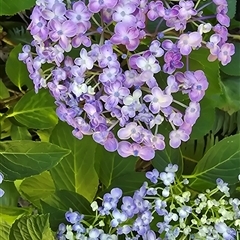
(122, 85)
(165, 206)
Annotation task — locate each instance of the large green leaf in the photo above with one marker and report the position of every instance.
(32, 228)
(11, 195)
(58, 203)
(221, 161)
(76, 171)
(16, 70)
(111, 165)
(36, 187)
(233, 68)
(10, 214)
(11, 7)
(168, 156)
(20, 133)
(230, 100)
(36, 110)
(4, 230)
(20, 159)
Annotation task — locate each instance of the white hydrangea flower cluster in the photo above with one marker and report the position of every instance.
(169, 205)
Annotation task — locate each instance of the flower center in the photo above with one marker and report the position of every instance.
(78, 17)
(116, 94)
(135, 153)
(154, 139)
(123, 13)
(177, 135)
(60, 32)
(225, 53)
(167, 11)
(39, 24)
(133, 131)
(148, 67)
(199, 87)
(131, 75)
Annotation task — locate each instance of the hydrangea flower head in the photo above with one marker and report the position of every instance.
(125, 81)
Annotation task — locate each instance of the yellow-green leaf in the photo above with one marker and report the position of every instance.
(36, 110)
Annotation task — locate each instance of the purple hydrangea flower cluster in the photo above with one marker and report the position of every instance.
(1, 180)
(113, 86)
(179, 214)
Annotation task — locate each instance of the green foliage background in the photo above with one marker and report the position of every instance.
(53, 171)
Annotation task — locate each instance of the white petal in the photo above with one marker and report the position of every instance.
(128, 100)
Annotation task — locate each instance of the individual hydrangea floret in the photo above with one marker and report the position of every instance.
(222, 186)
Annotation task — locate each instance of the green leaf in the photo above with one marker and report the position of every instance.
(11, 194)
(222, 160)
(129, 183)
(14, 121)
(3, 90)
(168, 156)
(32, 228)
(20, 133)
(10, 214)
(11, 7)
(59, 203)
(111, 165)
(20, 159)
(233, 68)
(206, 120)
(76, 171)
(36, 187)
(36, 110)
(4, 230)
(16, 70)
(229, 100)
